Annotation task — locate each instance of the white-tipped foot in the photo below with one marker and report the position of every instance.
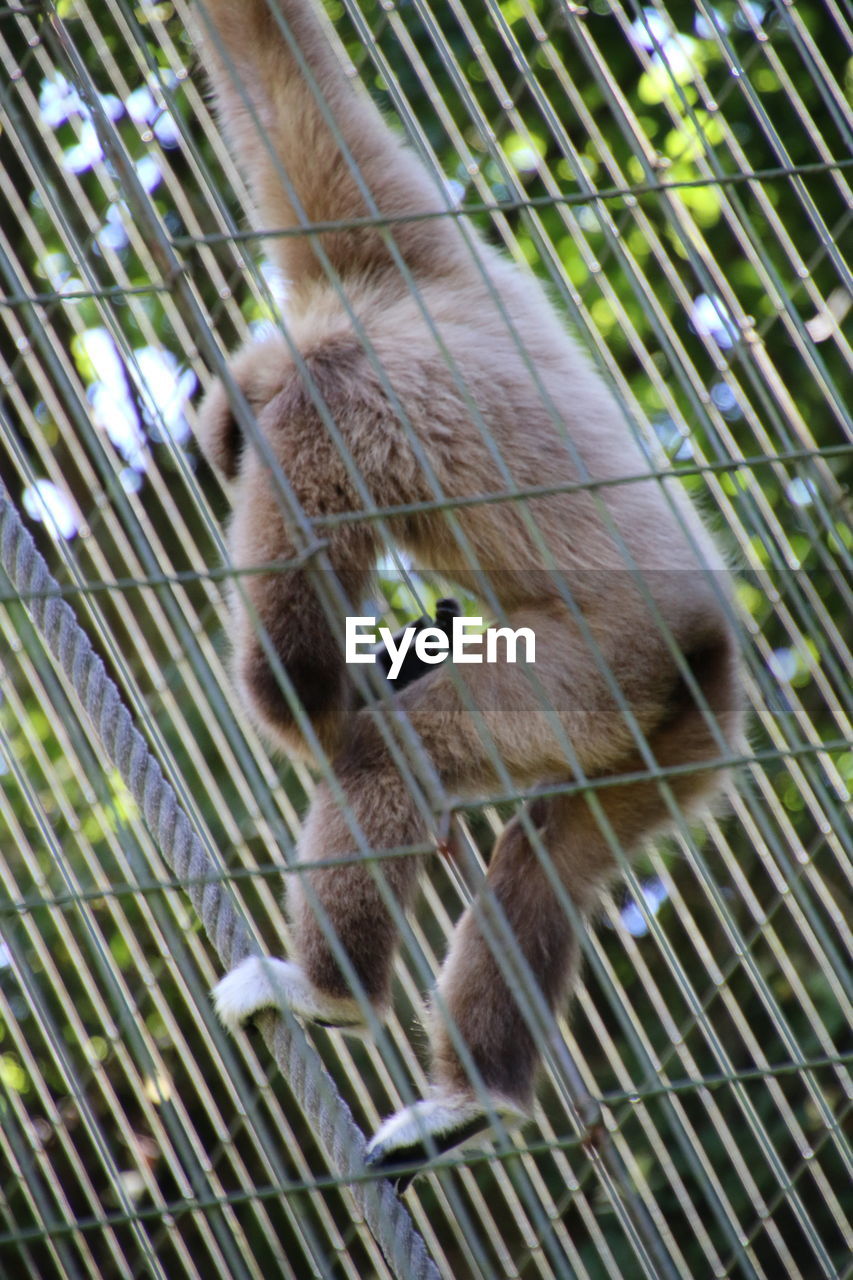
(260, 982)
(435, 1125)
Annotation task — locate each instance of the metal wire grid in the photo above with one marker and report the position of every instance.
(692, 1119)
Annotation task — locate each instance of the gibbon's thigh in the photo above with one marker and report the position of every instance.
(282, 610)
(286, 603)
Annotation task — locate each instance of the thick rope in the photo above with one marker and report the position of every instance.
(312, 1086)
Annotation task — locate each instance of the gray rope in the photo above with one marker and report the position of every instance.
(312, 1086)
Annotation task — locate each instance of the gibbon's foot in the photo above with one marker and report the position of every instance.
(260, 982)
(429, 1128)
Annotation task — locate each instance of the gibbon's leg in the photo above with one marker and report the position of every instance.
(486, 1010)
(388, 818)
(479, 1001)
(464, 752)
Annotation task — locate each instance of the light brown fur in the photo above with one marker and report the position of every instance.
(662, 533)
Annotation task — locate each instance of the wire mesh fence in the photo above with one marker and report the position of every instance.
(678, 176)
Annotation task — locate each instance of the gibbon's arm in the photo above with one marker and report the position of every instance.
(302, 169)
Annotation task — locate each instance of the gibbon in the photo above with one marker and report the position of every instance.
(447, 376)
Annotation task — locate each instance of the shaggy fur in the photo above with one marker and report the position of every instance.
(498, 418)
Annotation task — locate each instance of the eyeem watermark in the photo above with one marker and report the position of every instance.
(468, 642)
